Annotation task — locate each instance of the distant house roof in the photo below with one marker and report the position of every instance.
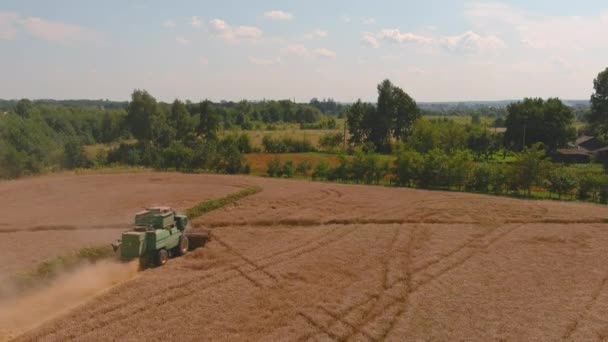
(588, 143)
(573, 152)
(583, 139)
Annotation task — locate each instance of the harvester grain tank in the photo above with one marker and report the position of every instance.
(159, 233)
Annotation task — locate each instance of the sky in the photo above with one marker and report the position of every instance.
(436, 50)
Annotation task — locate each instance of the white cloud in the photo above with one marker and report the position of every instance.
(324, 53)
(8, 25)
(370, 39)
(247, 32)
(278, 15)
(221, 29)
(471, 42)
(368, 21)
(203, 61)
(303, 51)
(467, 42)
(56, 32)
(316, 34)
(196, 22)
(396, 36)
(537, 30)
(263, 61)
(297, 49)
(168, 24)
(182, 40)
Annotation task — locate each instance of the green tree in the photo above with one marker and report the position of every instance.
(534, 120)
(425, 136)
(435, 172)
(25, 108)
(209, 121)
(181, 120)
(74, 154)
(142, 113)
(529, 167)
(393, 116)
(561, 181)
(460, 165)
(356, 120)
(177, 156)
(482, 143)
(480, 178)
(408, 167)
(598, 117)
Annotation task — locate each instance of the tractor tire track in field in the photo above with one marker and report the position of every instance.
(453, 266)
(371, 314)
(181, 290)
(572, 327)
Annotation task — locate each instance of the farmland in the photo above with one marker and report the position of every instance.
(317, 261)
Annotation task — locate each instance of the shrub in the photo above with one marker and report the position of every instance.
(435, 169)
(287, 170)
(561, 181)
(331, 141)
(321, 170)
(479, 179)
(274, 167)
(75, 155)
(408, 168)
(304, 167)
(286, 145)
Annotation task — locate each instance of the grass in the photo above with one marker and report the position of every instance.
(216, 203)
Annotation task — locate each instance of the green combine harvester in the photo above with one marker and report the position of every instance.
(159, 234)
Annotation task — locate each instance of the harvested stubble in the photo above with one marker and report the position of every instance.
(303, 260)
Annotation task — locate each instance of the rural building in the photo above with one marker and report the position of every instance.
(588, 143)
(581, 150)
(571, 156)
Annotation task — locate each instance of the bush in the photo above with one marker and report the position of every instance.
(273, 168)
(408, 168)
(321, 170)
(287, 170)
(304, 167)
(331, 142)
(286, 145)
(479, 179)
(561, 181)
(459, 166)
(75, 155)
(276, 169)
(177, 156)
(435, 171)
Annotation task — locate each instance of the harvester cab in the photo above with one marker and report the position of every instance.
(159, 233)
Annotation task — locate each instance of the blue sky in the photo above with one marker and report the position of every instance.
(436, 50)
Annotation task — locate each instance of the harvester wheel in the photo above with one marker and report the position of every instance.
(162, 257)
(183, 246)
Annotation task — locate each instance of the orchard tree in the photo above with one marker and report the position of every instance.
(529, 167)
(598, 116)
(533, 120)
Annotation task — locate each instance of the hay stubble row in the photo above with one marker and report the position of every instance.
(312, 261)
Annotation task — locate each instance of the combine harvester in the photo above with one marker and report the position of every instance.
(159, 234)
